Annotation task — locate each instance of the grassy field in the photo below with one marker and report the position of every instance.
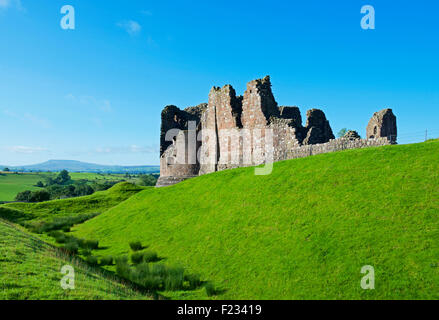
(31, 269)
(98, 202)
(303, 232)
(12, 183)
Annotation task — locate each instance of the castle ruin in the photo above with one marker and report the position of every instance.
(233, 131)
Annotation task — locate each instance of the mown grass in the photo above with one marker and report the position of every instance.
(303, 232)
(31, 269)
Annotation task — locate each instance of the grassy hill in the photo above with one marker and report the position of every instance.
(98, 202)
(30, 269)
(305, 231)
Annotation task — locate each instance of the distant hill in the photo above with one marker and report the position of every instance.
(78, 166)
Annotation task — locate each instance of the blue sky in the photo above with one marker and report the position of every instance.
(95, 93)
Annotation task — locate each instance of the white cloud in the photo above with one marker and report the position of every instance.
(151, 43)
(130, 26)
(128, 149)
(28, 117)
(147, 13)
(27, 150)
(101, 104)
(106, 106)
(5, 4)
(41, 122)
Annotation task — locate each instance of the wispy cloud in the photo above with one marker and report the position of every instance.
(101, 104)
(41, 122)
(151, 43)
(6, 4)
(147, 13)
(128, 149)
(27, 150)
(30, 118)
(130, 26)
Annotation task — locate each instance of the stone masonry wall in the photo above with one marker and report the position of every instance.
(234, 131)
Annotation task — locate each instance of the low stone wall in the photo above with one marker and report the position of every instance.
(171, 180)
(295, 153)
(332, 146)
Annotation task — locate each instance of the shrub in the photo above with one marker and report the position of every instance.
(150, 256)
(92, 260)
(210, 289)
(136, 245)
(193, 281)
(39, 196)
(59, 236)
(154, 277)
(106, 261)
(147, 180)
(71, 247)
(86, 252)
(137, 257)
(91, 244)
(147, 256)
(174, 279)
(61, 223)
(122, 268)
(23, 196)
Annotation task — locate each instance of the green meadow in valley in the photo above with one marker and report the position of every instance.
(12, 183)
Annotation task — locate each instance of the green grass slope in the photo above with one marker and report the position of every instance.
(305, 231)
(31, 269)
(95, 203)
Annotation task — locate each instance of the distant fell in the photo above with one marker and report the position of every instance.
(78, 166)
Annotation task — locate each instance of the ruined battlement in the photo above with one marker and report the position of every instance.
(234, 131)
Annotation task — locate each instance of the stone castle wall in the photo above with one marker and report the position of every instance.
(334, 145)
(234, 131)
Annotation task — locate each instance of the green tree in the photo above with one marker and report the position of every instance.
(147, 180)
(23, 196)
(40, 184)
(6, 170)
(63, 177)
(39, 196)
(342, 132)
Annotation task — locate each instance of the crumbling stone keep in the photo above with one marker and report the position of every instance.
(222, 133)
(382, 125)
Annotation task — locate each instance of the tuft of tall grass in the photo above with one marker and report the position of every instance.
(154, 277)
(71, 247)
(136, 245)
(92, 260)
(61, 223)
(210, 289)
(106, 261)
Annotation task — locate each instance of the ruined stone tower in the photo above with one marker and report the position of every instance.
(382, 124)
(234, 131)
